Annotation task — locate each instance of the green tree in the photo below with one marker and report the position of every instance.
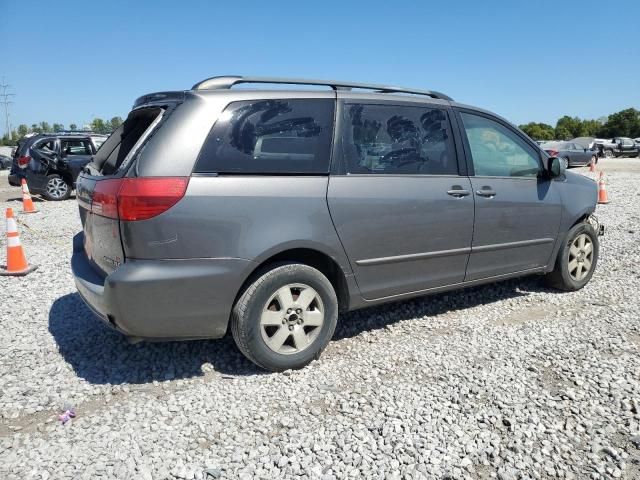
(58, 127)
(45, 127)
(625, 123)
(98, 125)
(538, 131)
(73, 126)
(35, 128)
(22, 130)
(569, 127)
(590, 127)
(115, 122)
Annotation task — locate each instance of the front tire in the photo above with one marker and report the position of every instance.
(577, 259)
(608, 154)
(56, 188)
(286, 317)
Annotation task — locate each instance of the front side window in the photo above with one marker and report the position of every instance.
(280, 136)
(394, 139)
(497, 151)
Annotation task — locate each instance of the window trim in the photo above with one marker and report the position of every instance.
(467, 147)
(330, 152)
(338, 165)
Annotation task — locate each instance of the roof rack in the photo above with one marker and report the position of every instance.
(226, 82)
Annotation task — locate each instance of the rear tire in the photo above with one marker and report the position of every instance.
(565, 162)
(56, 188)
(608, 154)
(577, 259)
(286, 317)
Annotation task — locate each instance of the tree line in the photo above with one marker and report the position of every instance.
(97, 125)
(625, 123)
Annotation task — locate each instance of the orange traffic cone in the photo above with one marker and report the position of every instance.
(592, 166)
(16, 261)
(27, 202)
(602, 190)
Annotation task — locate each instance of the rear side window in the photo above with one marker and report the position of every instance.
(48, 145)
(76, 147)
(281, 136)
(393, 139)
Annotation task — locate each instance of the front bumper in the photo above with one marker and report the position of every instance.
(162, 299)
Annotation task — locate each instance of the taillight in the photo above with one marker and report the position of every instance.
(23, 161)
(105, 198)
(133, 199)
(553, 153)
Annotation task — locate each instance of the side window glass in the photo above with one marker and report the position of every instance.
(76, 147)
(497, 151)
(47, 146)
(393, 139)
(280, 136)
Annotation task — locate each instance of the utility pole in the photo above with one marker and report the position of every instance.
(5, 99)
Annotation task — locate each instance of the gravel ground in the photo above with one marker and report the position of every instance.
(505, 381)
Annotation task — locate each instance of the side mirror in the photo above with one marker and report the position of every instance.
(554, 167)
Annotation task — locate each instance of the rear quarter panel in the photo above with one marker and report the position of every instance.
(248, 217)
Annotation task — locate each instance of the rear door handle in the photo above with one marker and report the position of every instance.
(458, 192)
(486, 192)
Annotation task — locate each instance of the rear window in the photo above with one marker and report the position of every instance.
(116, 148)
(290, 136)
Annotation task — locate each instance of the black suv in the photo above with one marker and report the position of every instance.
(51, 162)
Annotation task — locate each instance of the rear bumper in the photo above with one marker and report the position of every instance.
(14, 179)
(162, 299)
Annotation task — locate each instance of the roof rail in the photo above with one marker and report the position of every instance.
(226, 82)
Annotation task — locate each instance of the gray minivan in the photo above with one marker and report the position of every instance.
(274, 210)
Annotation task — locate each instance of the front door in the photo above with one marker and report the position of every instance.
(517, 208)
(402, 212)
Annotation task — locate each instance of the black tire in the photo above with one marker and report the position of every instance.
(561, 277)
(246, 325)
(566, 162)
(594, 159)
(608, 154)
(55, 190)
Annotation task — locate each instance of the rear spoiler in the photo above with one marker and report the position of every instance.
(159, 98)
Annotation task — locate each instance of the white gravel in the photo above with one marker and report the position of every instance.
(508, 381)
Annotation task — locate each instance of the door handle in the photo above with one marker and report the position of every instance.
(486, 192)
(458, 192)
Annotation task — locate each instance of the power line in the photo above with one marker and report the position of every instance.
(5, 99)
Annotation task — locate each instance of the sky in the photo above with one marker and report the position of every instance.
(69, 61)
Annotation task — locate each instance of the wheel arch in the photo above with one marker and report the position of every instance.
(312, 257)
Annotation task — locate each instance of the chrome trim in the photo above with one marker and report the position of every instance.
(413, 256)
(455, 251)
(522, 243)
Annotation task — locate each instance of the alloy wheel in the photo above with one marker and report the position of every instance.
(580, 257)
(292, 318)
(57, 188)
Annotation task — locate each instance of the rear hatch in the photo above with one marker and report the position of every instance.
(101, 182)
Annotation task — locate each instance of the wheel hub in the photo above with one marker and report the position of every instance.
(292, 318)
